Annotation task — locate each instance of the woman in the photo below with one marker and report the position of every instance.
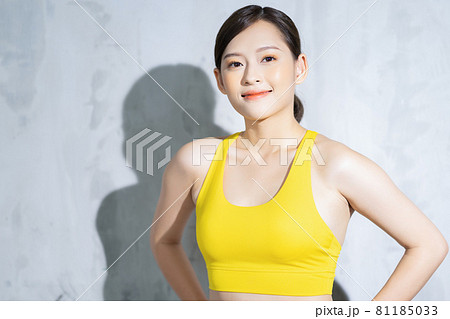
(269, 231)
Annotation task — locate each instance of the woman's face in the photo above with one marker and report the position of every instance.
(258, 59)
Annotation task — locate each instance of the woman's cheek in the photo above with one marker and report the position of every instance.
(280, 75)
(232, 84)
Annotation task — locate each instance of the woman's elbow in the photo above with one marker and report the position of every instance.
(444, 248)
(438, 248)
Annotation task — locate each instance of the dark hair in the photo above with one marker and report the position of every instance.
(245, 17)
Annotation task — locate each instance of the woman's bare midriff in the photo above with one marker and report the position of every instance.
(215, 295)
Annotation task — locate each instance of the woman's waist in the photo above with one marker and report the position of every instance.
(216, 295)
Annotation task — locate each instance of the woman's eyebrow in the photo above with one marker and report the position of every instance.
(257, 50)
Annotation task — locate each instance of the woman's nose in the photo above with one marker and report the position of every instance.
(251, 75)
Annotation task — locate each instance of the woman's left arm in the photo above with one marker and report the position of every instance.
(371, 192)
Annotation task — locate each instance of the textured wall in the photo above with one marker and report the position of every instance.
(70, 96)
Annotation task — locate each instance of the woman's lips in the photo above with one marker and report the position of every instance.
(257, 95)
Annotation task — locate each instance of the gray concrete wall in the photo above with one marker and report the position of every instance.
(70, 96)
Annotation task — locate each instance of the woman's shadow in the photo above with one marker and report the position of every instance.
(126, 214)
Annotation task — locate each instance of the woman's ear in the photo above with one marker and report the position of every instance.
(219, 81)
(301, 65)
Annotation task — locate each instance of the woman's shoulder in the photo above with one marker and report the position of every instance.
(338, 160)
(192, 157)
(332, 149)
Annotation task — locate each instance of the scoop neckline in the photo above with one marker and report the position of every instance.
(272, 200)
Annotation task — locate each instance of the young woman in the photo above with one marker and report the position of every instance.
(268, 230)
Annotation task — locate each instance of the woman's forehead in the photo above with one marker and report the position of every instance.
(253, 40)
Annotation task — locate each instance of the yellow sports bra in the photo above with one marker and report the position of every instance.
(281, 247)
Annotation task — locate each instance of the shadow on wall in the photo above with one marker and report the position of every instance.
(125, 214)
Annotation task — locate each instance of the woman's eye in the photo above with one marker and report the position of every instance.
(233, 64)
(271, 57)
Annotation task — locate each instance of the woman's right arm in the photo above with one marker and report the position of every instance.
(172, 212)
